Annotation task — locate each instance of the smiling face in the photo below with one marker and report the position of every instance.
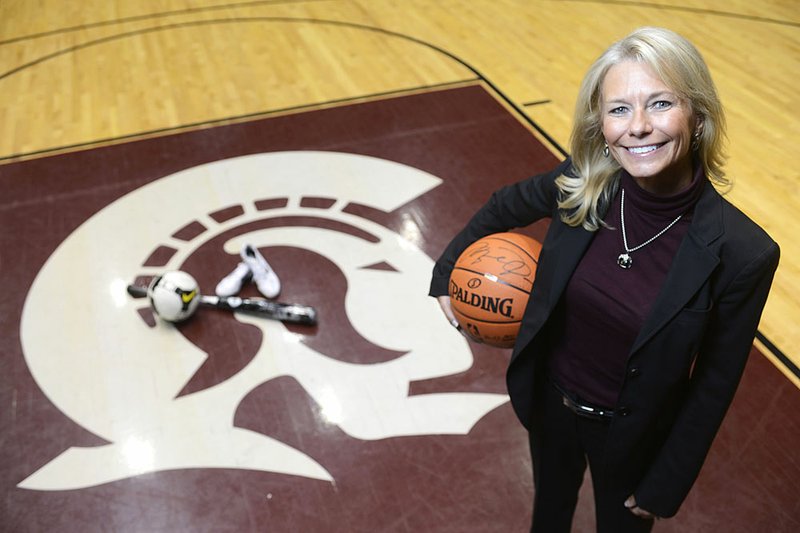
(648, 128)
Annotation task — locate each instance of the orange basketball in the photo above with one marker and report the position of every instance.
(490, 285)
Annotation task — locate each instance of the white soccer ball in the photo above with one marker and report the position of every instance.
(174, 296)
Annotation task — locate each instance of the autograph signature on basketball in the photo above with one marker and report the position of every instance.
(512, 263)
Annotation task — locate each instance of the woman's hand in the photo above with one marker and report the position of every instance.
(444, 303)
(630, 503)
(447, 309)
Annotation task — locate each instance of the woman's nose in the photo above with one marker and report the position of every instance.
(640, 123)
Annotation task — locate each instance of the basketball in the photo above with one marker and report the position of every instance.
(490, 286)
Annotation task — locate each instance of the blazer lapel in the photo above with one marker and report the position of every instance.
(569, 250)
(564, 248)
(692, 266)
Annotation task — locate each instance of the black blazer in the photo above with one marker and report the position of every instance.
(687, 360)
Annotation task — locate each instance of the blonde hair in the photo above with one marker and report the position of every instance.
(678, 63)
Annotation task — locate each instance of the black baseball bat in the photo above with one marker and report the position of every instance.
(285, 312)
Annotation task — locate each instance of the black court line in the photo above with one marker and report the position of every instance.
(345, 24)
(521, 114)
(793, 368)
(160, 14)
(240, 118)
(694, 10)
(536, 102)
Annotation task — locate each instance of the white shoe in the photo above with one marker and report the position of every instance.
(232, 283)
(264, 277)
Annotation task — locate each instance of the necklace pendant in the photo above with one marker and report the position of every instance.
(624, 261)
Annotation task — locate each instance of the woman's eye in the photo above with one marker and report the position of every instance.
(662, 104)
(617, 110)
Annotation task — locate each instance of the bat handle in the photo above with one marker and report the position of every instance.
(136, 291)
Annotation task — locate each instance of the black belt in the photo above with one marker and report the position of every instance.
(581, 408)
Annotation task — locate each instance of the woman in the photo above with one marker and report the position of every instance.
(648, 293)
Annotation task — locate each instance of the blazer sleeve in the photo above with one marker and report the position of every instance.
(512, 206)
(718, 369)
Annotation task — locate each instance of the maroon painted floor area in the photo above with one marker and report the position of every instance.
(474, 483)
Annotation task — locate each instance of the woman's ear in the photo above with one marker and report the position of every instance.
(699, 122)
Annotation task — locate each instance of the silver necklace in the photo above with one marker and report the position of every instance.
(624, 259)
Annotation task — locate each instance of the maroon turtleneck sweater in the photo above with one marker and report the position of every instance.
(604, 306)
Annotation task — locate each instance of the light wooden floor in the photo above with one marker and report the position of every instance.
(76, 73)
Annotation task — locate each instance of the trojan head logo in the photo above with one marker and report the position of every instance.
(139, 384)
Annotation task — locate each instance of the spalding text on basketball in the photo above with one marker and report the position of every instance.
(503, 306)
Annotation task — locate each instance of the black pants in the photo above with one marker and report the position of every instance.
(564, 444)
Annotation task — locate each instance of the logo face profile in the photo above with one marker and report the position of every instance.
(148, 424)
